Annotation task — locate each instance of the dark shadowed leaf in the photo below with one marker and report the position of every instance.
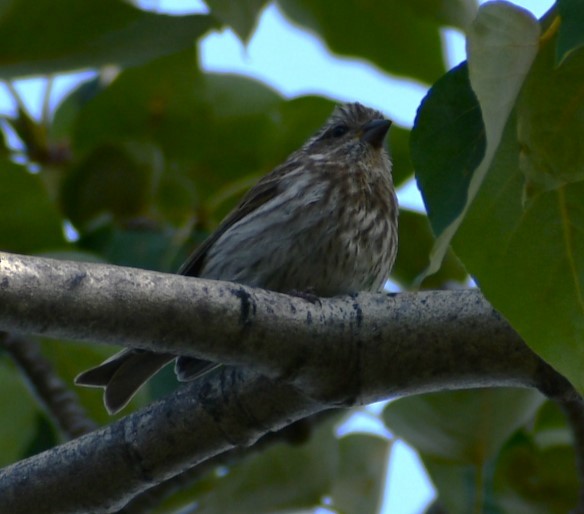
(415, 243)
(67, 111)
(30, 222)
(453, 13)
(399, 149)
(390, 34)
(88, 34)
(147, 247)
(530, 479)
(110, 181)
(212, 126)
(45, 436)
(19, 407)
(447, 143)
(241, 15)
(571, 36)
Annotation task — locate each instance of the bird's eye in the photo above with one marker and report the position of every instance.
(339, 130)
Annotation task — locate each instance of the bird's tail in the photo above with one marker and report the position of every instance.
(122, 375)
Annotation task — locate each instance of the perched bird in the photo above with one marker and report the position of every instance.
(324, 221)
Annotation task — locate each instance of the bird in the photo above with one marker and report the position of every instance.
(324, 222)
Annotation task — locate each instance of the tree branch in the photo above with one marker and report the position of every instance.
(306, 358)
(59, 401)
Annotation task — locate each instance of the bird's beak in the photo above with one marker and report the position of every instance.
(373, 132)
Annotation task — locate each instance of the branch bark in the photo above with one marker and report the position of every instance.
(294, 359)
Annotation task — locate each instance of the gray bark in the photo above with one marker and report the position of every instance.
(294, 358)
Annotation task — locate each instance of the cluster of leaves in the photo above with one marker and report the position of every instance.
(143, 160)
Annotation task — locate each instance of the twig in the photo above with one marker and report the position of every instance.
(59, 401)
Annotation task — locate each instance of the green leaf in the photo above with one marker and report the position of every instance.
(65, 117)
(241, 15)
(549, 122)
(447, 144)
(571, 28)
(19, 412)
(359, 484)
(502, 44)
(45, 436)
(290, 478)
(528, 259)
(533, 480)
(391, 34)
(214, 125)
(30, 222)
(399, 150)
(110, 181)
(462, 488)
(466, 427)
(141, 246)
(454, 13)
(88, 34)
(416, 241)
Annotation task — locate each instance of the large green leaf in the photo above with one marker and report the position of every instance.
(46, 37)
(288, 478)
(391, 34)
(467, 427)
(30, 221)
(522, 237)
(447, 144)
(459, 436)
(502, 44)
(112, 181)
(528, 259)
(215, 125)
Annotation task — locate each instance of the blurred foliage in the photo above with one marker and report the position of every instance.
(137, 164)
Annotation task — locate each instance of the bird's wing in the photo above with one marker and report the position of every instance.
(266, 189)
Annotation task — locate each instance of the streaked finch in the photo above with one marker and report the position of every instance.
(324, 221)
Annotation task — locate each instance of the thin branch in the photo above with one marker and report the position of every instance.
(57, 398)
(296, 433)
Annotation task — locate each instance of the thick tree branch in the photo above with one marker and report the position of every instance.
(343, 351)
(424, 341)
